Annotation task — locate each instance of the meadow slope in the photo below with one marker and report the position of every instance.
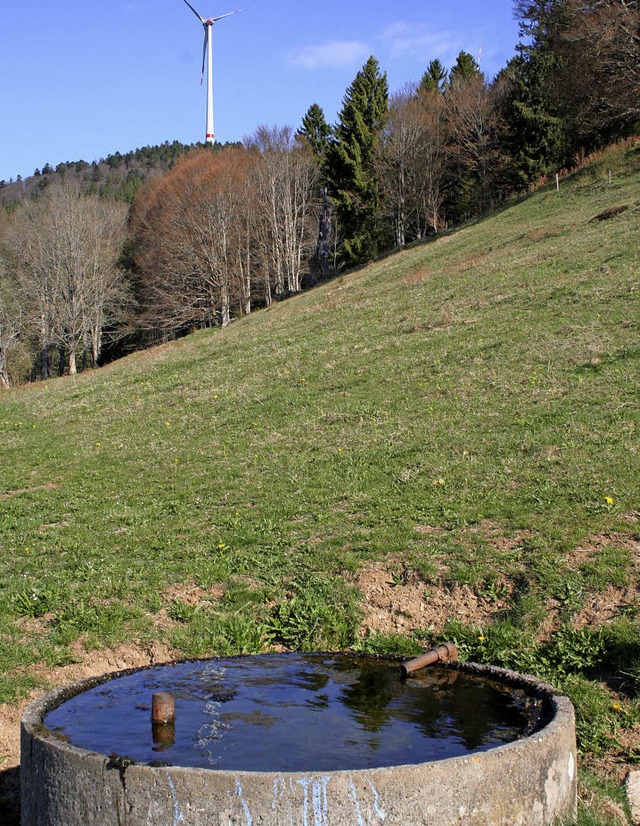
(443, 444)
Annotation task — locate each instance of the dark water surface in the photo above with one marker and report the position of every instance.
(295, 712)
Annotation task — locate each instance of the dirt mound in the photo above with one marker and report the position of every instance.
(402, 603)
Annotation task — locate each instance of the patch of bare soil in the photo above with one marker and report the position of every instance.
(193, 594)
(402, 603)
(551, 621)
(20, 491)
(597, 544)
(597, 608)
(605, 606)
(610, 213)
(544, 232)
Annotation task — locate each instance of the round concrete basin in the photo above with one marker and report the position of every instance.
(528, 782)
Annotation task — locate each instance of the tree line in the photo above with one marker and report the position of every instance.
(227, 230)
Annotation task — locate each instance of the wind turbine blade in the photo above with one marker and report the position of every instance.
(228, 14)
(201, 19)
(204, 55)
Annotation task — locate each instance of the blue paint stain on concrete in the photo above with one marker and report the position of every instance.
(243, 802)
(178, 816)
(377, 808)
(354, 796)
(319, 803)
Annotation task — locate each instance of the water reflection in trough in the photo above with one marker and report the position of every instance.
(295, 712)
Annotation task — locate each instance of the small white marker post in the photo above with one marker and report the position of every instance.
(557, 182)
(633, 793)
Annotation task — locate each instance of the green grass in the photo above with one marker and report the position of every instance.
(484, 384)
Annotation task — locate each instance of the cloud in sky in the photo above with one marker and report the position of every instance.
(404, 40)
(335, 54)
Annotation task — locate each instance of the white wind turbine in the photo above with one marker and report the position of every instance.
(207, 24)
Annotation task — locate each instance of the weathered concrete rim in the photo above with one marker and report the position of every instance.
(531, 781)
(558, 712)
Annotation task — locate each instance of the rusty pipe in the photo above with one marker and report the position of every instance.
(445, 652)
(162, 708)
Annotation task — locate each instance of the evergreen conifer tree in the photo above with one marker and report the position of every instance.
(435, 78)
(353, 183)
(465, 66)
(537, 136)
(316, 131)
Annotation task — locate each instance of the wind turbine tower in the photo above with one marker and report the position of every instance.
(207, 56)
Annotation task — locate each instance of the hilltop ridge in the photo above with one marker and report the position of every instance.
(120, 175)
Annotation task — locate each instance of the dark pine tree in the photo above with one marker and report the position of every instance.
(316, 131)
(353, 182)
(435, 78)
(465, 66)
(536, 131)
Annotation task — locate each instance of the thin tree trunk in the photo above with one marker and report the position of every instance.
(96, 344)
(247, 293)
(72, 361)
(4, 378)
(225, 316)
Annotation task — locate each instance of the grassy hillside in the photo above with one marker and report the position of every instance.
(464, 413)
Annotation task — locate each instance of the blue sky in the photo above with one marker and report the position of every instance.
(80, 79)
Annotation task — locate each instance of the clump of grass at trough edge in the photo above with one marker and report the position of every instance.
(318, 614)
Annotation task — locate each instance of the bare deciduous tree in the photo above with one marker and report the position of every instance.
(412, 162)
(603, 38)
(10, 323)
(286, 182)
(596, 49)
(474, 124)
(191, 231)
(66, 247)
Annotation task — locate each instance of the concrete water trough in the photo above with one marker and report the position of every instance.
(301, 740)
